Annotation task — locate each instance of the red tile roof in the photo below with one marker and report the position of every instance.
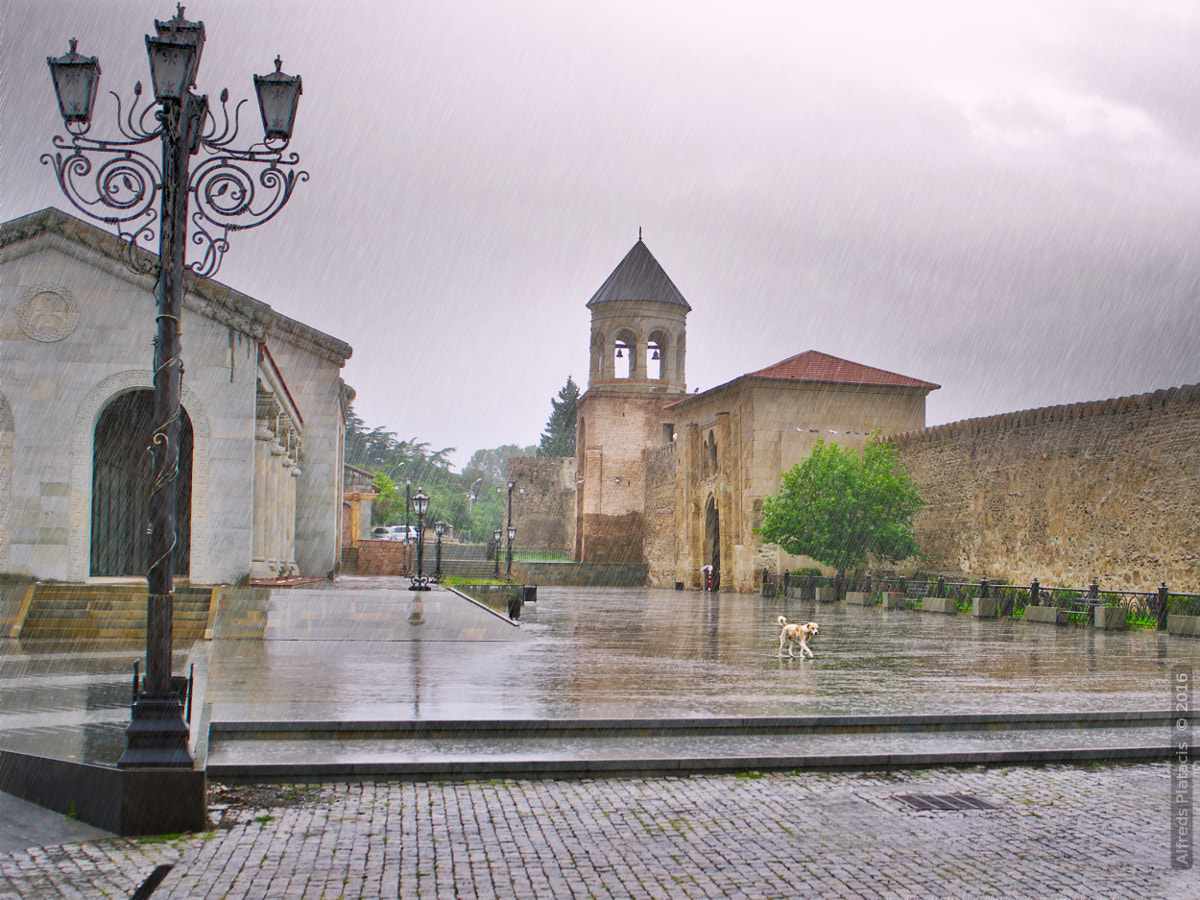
(815, 366)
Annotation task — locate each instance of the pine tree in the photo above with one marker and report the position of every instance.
(559, 437)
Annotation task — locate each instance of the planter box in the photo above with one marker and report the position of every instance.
(985, 608)
(1113, 618)
(859, 598)
(826, 595)
(1187, 626)
(947, 606)
(893, 600)
(1048, 614)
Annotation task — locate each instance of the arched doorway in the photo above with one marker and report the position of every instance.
(121, 475)
(712, 541)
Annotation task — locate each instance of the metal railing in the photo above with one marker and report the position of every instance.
(1142, 607)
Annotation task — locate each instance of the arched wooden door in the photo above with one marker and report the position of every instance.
(121, 474)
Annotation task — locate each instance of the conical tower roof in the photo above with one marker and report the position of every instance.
(639, 277)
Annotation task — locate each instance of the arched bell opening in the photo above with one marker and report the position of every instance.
(657, 356)
(624, 354)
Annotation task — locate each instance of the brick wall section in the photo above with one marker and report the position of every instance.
(544, 515)
(1107, 489)
(390, 558)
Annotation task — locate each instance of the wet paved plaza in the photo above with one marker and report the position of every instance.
(354, 651)
(581, 655)
(604, 653)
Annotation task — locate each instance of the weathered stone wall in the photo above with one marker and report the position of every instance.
(544, 514)
(661, 547)
(613, 428)
(1107, 490)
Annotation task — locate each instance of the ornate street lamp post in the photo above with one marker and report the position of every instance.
(496, 552)
(233, 190)
(421, 503)
(439, 529)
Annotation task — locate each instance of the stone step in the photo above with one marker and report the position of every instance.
(470, 568)
(80, 608)
(108, 612)
(458, 551)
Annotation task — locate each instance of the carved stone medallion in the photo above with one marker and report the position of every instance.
(48, 312)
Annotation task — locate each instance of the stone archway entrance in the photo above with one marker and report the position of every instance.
(712, 541)
(121, 474)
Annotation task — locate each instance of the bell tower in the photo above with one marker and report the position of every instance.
(636, 368)
(639, 328)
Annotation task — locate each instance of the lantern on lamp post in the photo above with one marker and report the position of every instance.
(125, 187)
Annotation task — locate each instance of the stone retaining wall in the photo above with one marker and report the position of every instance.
(1107, 490)
(580, 574)
(544, 514)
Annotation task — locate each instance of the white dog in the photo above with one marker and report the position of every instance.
(796, 634)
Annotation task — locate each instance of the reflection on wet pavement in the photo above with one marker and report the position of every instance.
(358, 650)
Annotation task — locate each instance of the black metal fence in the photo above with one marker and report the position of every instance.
(1142, 607)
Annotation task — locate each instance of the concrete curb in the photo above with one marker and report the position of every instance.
(321, 730)
(571, 769)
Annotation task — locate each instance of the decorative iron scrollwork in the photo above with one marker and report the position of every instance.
(117, 183)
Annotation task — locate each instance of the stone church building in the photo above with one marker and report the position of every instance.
(263, 407)
(674, 481)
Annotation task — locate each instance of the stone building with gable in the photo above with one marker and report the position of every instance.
(264, 412)
(674, 481)
(735, 441)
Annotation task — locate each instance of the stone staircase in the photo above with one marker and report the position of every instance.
(461, 560)
(108, 612)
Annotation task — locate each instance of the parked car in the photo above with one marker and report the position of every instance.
(388, 533)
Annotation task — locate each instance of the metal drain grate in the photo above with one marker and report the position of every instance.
(943, 802)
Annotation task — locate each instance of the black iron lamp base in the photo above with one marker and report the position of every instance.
(157, 737)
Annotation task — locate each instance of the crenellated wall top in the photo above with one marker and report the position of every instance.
(1166, 398)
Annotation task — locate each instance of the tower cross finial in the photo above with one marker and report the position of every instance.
(639, 232)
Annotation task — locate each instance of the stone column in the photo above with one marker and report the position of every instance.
(292, 569)
(259, 567)
(274, 478)
(283, 528)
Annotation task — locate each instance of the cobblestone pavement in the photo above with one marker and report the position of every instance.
(1058, 831)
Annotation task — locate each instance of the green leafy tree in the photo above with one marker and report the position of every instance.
(491, 464)
(388, 502)
(559, 437)
(839, 507)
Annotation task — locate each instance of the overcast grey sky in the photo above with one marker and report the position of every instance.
(1000, 197)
